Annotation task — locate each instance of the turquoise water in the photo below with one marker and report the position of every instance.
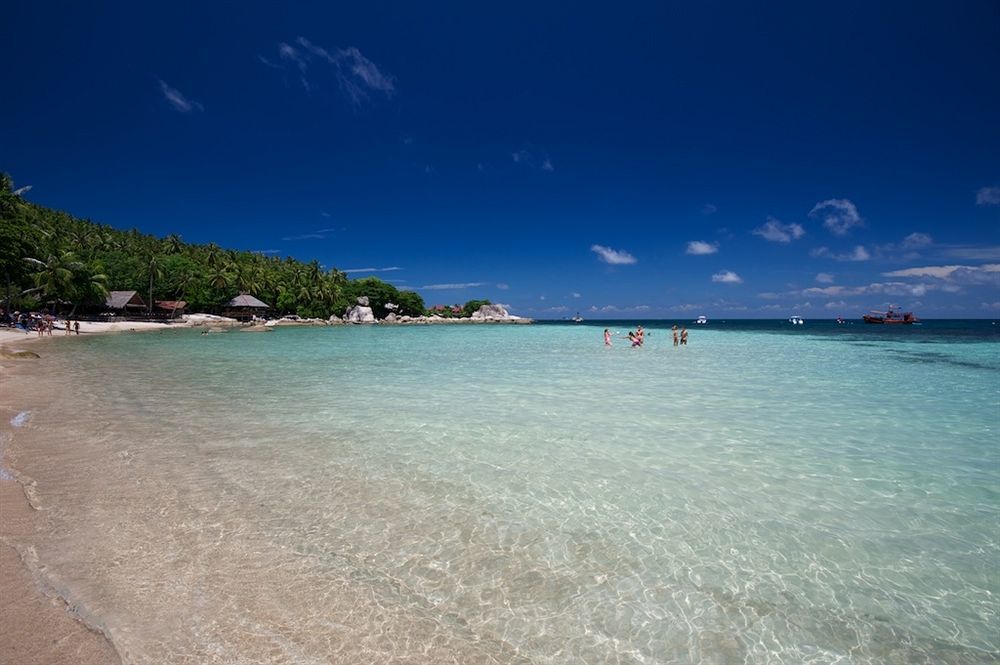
(524, 494)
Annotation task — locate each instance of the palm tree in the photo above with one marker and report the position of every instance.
(174, 243)
(155, 271)
(55, 275)
(218, 278)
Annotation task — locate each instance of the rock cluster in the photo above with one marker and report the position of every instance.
(360, 313)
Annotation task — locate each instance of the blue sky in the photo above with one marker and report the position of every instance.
(647, 160)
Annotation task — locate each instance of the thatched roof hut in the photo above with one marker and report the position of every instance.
(127, 301)
(244, 307)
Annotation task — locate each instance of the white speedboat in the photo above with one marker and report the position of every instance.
(702, 320)
(577, 318)
(796, 320)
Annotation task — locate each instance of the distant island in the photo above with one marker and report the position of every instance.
(53, 261)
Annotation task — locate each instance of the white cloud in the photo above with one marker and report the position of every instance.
(178, 100)
(268, 251)
(839, 215)
(769, 295)
(356, 75)
(775, 231)
(323, 213)
(988, 196)
(353, 270)
(886, 288)
(445, 287)
(836, 304)
(556, 308)
(972, 253)
(502, 286)
(990, 305)
(917, 241)
(613, 256)
(532, 160)
(859, 253)
(727, 277)
(700, 248)
(22, 190)
(686, 307)
(988, 274)
(575, 294)
(709, 209)
(313, 235)
(828, 291)
(824, 278)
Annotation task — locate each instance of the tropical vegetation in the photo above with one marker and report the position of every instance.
(52, 260)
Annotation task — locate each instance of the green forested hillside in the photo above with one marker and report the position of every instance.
(50, 257)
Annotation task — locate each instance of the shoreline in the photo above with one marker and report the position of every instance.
(40, 625)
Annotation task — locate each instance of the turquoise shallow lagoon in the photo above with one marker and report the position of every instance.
(523, 494)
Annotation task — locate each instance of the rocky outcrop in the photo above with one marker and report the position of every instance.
(360, 313)
(492, 313)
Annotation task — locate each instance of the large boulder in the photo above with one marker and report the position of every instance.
(360, 314)
(491, 313)
(363, 301)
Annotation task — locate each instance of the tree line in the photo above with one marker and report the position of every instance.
(52, 260)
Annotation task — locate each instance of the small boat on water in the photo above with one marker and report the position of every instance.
(890, 317)
(796, 320)
(701, 320)
(577, 318)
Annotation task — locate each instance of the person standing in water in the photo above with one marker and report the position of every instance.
(607, 337)
(676, 339)
(641, 334)
(684, 336)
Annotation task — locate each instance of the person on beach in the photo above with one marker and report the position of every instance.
(69, 328)
(676, 338)
(684, 336)
(76, 327)
(607, 337)
(641, 334)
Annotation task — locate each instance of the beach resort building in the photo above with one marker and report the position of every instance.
(244, 307)
(124, 303)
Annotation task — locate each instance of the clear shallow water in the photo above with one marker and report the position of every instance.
(516, 494)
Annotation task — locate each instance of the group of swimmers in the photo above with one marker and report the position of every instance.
(638, 336)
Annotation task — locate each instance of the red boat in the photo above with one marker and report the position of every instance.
(890, 317)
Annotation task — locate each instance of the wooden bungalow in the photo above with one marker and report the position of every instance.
(244, 307)
(170, 308)
(124, 303)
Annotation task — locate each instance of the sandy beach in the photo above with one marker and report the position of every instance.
(39, 625)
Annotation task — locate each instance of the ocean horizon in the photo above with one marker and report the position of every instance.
(770, 493)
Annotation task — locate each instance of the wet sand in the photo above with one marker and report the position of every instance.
(37, 625)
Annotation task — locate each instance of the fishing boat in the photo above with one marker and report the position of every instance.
(796, 320)
(890, 317)
(702, 320)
